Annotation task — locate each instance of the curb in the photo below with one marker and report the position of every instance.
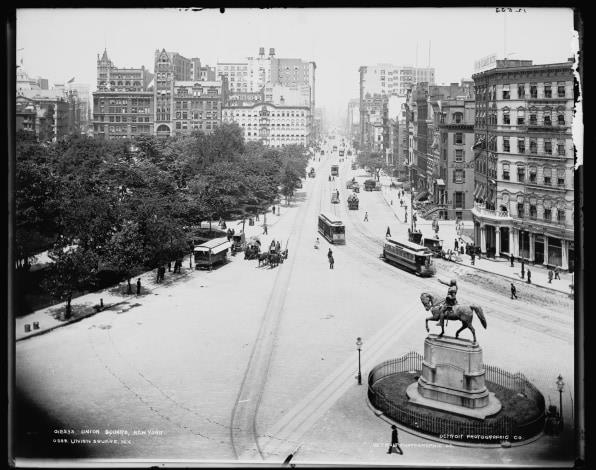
(47, 330)
(509, 277)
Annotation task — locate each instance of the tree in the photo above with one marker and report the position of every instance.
(124, 250)
(73, 269)
(373, 161)
(289, 181)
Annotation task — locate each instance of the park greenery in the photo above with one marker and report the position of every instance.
(128, 206)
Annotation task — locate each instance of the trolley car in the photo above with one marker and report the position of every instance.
(334, 170)
(410, 256)
(332, 229)
(211, 252)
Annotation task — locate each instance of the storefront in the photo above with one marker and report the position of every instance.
(539, 249)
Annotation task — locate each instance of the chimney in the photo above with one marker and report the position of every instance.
(261, 51)
(271, 52)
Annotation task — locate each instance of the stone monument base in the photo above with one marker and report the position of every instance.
(492, 408)
(452, 378)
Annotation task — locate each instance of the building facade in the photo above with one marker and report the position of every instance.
(123, 102)
(274, 126)
(524, 116)
(197, 106)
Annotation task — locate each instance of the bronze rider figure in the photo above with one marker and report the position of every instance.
(450, 300)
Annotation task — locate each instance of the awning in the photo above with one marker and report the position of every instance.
(476, 191)
(440, 182)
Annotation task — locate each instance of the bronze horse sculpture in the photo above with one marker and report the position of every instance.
(463, 313)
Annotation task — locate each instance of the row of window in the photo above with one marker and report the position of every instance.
(533, 146)
(120, 129)
(101, 118)
(548, 175)
(547, 213)
(523, 91)
(196, 126)
(196, 115)
(291, 114)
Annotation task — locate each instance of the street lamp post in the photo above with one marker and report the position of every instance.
(560, 385)
(359, 347)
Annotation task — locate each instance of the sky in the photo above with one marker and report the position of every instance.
(60, 44)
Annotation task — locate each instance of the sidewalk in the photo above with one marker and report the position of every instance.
(113, 299)
(500, 266)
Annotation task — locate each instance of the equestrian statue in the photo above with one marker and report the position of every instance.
(449, 309)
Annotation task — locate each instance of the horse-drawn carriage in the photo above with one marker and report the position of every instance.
(252, 249)
(435, 245)
(353, 202)
(312, 173)
(238, 242)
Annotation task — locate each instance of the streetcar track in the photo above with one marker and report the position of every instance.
(243, 432)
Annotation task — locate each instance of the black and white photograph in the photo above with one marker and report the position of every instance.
(293, 237)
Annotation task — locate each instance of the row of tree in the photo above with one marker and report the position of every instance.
(122, 205)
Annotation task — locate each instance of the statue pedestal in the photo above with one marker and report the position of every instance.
(453, 379)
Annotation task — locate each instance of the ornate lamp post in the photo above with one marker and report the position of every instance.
(359, 347)
(560, 385)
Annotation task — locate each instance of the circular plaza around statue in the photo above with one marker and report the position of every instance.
(449, 393)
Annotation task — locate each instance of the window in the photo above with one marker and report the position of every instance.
(505, 94)
(533, 212)
(561, 91)
(506, 144)
(533, 120)
(506, 119)
(457, 117)
(548, 93)
(520, 209)
(561, 149)
(560, 177)
(561, 119)
(459, 155)
(533, 146)
(533, 91)
(458, 138)
(521, 91)
(459, 200)
(506, 171)
(548, 147)
(521, 145)
(547, 214)
(521, 117)
(521, 174)
(547, 121)
(547, 175)
(178, 125)
(532, 174)
(561, 216)
(459, 176)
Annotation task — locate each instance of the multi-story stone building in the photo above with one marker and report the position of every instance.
(55, 118)
(524, 112)
(123, 102)
(197, 106)
(353, 120)
(272, 125)
(392, 79)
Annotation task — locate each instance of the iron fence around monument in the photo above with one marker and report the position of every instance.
(491, 430)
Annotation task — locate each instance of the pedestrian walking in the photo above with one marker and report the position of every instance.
(523, 269)
(511, 258)
(139, 286)
(406, 217)
(331, 262)
(513, 291)
(529, 277)
(366, 216)
(557, 273)
(257, 217)
(329, 253)
(550, 276)
(278, 246)
(264, 229)
(461, 249)
(169, 266)
(473, 256)
(401, 203)
(394, 447)
(273, 210)
(456, 245)
(388, 234)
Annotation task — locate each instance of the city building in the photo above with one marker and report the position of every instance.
(389, 79)
(523, 121)
(353, 120)
(123, 102)
(274, 126)
(54, 117)
(81, 96)
(197, 106)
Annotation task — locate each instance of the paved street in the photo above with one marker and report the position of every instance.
(250, 363)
